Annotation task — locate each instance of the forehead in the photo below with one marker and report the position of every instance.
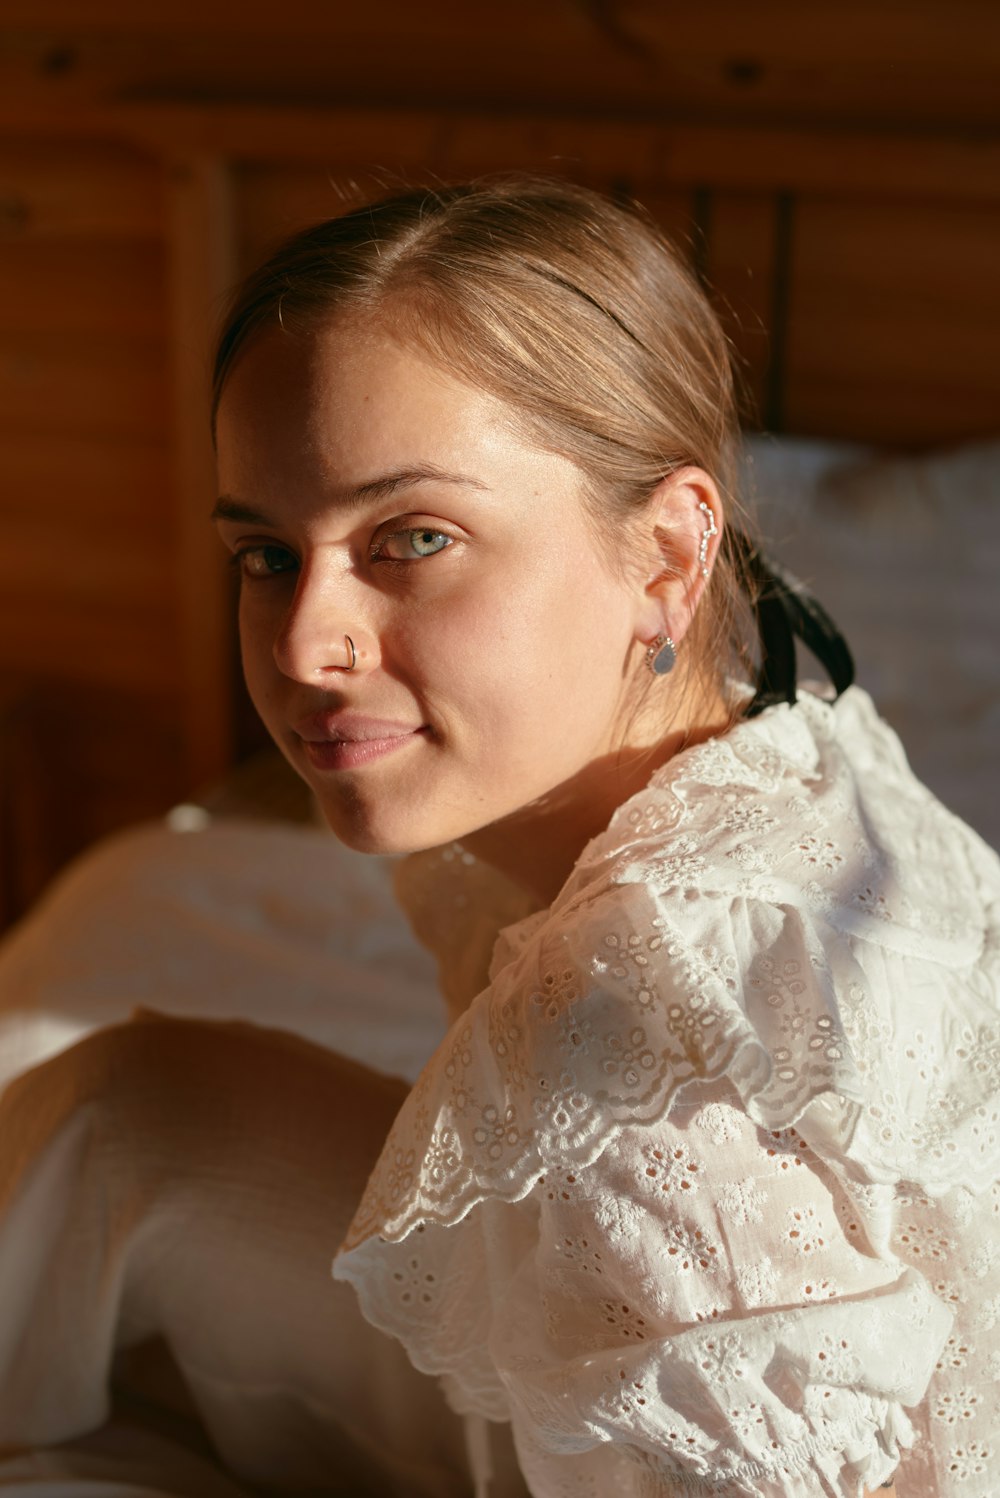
(351, 382)
(335, 409)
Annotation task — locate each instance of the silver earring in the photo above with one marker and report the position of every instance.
(661, 656)
(710, 530)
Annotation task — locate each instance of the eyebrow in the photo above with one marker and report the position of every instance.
(382, 487)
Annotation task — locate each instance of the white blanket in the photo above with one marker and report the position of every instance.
(278, 925)
(231, 920)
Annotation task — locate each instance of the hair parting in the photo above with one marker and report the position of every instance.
(573, 309)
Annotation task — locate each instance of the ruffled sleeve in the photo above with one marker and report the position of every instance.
(694, 1306)
(641, 1202)
(612, 1008)
(641, 1209)
(698, 1311)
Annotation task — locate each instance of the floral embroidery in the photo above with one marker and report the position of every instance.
(821, 851)
(989, 1313)
(631, 959)
(984, 1258)
(725, 1358)
(624, 1319)
(507, 1041)
(732, 1153)
(400, 1174)
(955, 1407)
(559, 1186)
(787, 1149)
(442, 1159)
(972, 1460)
(668, 1170)
(749, 818)
(752, 856)
(627, 1057)
(688, 1249)
(756, 1281)
(559, 991)
(749, 1422)
(720, 1122)
(562, 1105)
(682, 863)
(821, 1288)
(498, 1131)
(956, 1353)
(802, 1228)
(415, 1283)
(620, 1217)
(835, 1361)
(925, 1241)
(873, 901)
(782, 979)
(742, 1201)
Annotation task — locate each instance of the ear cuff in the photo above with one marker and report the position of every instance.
(710, 530)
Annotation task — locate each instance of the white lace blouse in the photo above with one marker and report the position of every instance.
(701, 1192)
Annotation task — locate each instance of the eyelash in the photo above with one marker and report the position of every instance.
(375, 554)
(238, 560)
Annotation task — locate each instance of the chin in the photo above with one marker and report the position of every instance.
(371, 836)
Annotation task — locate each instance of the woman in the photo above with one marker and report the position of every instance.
(699, 1193)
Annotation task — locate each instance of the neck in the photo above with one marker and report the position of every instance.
(538, 845)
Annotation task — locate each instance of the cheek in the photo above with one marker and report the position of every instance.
(260, 672)
(526, 657)
(449, 653)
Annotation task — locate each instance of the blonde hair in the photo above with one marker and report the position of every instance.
(570, 307)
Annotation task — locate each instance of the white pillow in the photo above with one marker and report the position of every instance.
(905, 554)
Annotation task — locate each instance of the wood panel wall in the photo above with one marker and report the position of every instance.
(88, 599)
(836, 184)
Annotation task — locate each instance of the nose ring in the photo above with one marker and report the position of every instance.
(353, 654)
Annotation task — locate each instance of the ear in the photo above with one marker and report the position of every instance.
(682, 529)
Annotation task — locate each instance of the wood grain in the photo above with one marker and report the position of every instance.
(875, 62)
(202, 271)
(67, 186)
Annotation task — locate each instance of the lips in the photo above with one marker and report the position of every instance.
(334, 741)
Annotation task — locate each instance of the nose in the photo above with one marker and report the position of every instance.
(319, 640)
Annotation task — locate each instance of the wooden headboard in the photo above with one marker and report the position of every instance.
(856, 272)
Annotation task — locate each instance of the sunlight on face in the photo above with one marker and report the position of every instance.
(368, 494)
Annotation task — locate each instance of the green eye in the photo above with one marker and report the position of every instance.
(411, 545)
(425, 543)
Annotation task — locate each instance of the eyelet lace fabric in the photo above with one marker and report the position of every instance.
(700, 1191)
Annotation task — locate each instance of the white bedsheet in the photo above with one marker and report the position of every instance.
(275, 924)
(258, 921)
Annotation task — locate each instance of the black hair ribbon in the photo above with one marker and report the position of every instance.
(786, 610)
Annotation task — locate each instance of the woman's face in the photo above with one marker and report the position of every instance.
(367, 493)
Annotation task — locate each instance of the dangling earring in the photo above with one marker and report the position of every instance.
(661, 656)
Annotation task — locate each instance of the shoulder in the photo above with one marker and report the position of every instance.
(753, 915)
(813, 808)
